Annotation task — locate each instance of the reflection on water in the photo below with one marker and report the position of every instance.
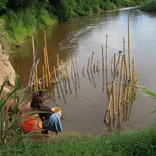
(82, 97)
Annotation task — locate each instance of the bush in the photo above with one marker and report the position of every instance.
(149, 6)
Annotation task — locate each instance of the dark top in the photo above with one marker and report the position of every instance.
(37, 101)
(47, 112)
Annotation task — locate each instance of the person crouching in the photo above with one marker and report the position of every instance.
(50, 120)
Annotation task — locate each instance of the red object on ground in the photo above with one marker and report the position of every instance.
(28, 124)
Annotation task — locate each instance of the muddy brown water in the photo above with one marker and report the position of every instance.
(83, 108)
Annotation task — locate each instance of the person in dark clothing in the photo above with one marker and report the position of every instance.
(37, 101)
(50, 120)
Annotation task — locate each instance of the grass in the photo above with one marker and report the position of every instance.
(140, 143)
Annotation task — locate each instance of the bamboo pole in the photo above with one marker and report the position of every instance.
(88, 65)
(114, 97)
(129, 51)
(34, 61)
(62, 69)
(120, 83)
(125, 68)
(77, 69)
(73, 65)
(91, 64)
(36, 78)
(124, 47)
(83, 72)
(98, 67)
(43, 73)
(46, 67)
(128, 92)
(102, 70)
(55, 76)
(89, 77)
(67, 69)
(47, 59)
(58, 64)
(116, 67)
(106, 57)
(114, 63)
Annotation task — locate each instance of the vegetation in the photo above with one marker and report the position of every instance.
(10, 129)
(140, 143)
(23, 18)
(149, 6)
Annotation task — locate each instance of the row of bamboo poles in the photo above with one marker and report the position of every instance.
(121, 90)
(59, 75)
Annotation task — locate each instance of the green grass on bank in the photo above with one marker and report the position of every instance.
(134, 143)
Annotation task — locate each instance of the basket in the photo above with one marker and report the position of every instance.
(57, 110)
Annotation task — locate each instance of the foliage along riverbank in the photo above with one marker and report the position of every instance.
(149, 6)
(140, 143)
(23, 18)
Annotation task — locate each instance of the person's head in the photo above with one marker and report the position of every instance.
(40, 93)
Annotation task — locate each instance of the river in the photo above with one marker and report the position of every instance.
(83, 108)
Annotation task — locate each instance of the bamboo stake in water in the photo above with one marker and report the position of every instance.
(124, 49)
(129, 52)
(55, 76)
(58, 64)
(83, 72)
(114, 97)
(97, 67)
(46, 67)
(43, 73)
(67, 69)
(109, 97)
(125, 68)
(47, 59)
(106, 61)
(91, 64)
(116, 67)
(120, 83)
(102, 70)
(36, 78)
(77, 69)
(112, 62)
(88, 65)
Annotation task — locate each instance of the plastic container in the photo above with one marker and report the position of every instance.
(57, 110)
(28, 124)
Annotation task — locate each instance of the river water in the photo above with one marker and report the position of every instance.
(83, 108)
